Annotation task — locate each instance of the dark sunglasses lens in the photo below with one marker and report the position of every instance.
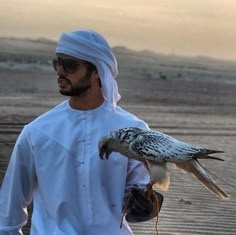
(70, 66)
(55, 63)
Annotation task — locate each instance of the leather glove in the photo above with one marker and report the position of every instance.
(139, 209)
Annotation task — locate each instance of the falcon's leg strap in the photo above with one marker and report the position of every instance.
(149, 191)
(124, 208)
(157, 206)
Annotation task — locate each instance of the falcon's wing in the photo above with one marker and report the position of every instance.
(160, 147)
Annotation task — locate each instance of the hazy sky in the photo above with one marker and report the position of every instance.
(190, 27)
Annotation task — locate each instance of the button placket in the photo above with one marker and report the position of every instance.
(80, 142)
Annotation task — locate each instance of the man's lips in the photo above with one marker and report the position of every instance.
(62, 82)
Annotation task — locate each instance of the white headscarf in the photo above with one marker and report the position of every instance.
(90, 46)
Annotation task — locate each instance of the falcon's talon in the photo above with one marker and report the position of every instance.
(149, 191)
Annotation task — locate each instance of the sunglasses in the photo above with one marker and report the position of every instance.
(69, 65)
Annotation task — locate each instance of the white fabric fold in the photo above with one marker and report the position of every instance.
(91, 46)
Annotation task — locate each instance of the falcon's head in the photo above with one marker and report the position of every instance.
(104, 146)
(117, 141)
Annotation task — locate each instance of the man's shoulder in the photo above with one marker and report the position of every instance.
(125, 113)
(50, 116)
(129, 118)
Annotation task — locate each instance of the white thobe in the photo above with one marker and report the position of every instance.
(56, 163)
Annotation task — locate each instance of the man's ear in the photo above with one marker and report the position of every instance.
(97, 78)
(96, 74)
(100, 84)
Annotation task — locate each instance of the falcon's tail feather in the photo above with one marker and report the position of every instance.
(208, 157)
(205, 154)
(210, 151)
(198, 171)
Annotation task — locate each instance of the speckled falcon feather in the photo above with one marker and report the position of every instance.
(159, 147)
(155, 149)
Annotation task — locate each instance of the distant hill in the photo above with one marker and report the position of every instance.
(23, 46)
(18, 52)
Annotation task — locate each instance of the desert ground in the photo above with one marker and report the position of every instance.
(192, 99)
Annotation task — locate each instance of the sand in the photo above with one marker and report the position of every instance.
(200, 111)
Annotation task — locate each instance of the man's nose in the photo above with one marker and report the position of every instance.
(60, 71)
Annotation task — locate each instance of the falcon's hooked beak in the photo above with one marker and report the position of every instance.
(104, 151)
(104, 155)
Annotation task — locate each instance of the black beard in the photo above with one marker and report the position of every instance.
(78, 89)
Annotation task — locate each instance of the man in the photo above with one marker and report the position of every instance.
(55, 160)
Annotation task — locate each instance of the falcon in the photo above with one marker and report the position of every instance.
(155, 150)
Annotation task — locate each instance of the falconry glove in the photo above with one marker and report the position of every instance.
(139, 207)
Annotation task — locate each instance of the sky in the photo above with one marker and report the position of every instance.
(180, 27)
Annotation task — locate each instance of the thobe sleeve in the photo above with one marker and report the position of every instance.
(17, 187)
(137, 175)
